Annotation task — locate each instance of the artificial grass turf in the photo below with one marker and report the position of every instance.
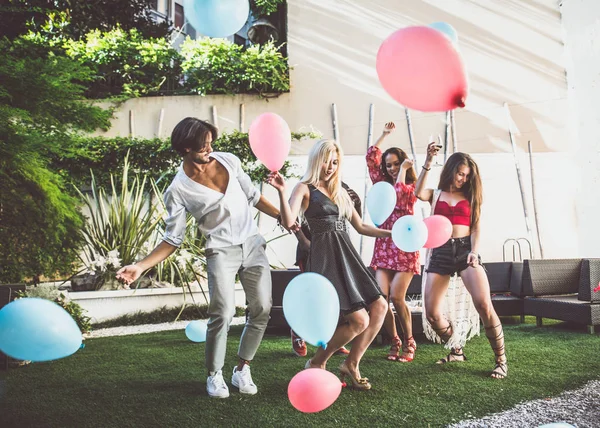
(158, 379)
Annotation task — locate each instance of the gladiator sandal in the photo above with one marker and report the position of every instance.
(496, 339)
(456, 354)
(394, 352)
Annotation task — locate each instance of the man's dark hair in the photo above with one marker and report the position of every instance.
(191, 133)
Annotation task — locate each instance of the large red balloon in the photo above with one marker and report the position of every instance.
(313, 390)
(421, 69)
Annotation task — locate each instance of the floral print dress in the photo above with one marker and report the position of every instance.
(386, 255)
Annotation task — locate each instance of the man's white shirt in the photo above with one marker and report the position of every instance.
(225, 219)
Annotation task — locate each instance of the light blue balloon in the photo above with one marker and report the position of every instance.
(381, 201)
(409, 233)
(447, 29)
(311, 307)
(217, 18)
(196, 331)
(38, 330)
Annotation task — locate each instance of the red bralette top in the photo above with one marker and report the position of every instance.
(458, 214)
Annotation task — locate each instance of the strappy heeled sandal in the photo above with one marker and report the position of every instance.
(361, 383)
(408, 350)
(453, 356)
(500, 370)
(394, 352)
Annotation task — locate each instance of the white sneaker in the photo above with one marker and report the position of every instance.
(243, 380)
(216, 386)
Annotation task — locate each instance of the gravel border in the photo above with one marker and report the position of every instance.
(148, 328)
(580, 408)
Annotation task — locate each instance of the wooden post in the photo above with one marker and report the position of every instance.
(410, 135)
(518, 168)
(131, 124)
(161, 117)
(242, 117)
(453, 128)
(369, 144)
(535, 211)
(215, 117)
(334, 118)
(446, 136)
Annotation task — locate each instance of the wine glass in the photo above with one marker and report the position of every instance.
(439, 146)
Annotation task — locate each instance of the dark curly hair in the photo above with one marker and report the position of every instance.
(411, 177)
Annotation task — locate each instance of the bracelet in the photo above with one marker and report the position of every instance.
(426, 169)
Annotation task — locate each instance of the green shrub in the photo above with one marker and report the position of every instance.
(264, 7)
(153, 157)
(126, 63)
(217, 66)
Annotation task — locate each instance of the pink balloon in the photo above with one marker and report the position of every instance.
(270, 140)
(313, 390)
(440, 230)
(421, 69)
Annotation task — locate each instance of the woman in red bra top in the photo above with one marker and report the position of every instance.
(394, 267)
(459, 199)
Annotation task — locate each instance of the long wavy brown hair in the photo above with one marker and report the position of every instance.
(472, 188)
(411, 177)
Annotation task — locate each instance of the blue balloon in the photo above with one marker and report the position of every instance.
(447, 29)
(311, 307)
(381, 201)
(37, 330)
(196, 331)
(409, 233)
(217, 18)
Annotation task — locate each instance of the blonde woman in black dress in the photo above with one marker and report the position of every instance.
(327, 207)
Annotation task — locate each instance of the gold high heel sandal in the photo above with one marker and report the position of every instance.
(360, 383)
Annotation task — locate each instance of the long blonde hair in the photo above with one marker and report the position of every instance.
(319, 155)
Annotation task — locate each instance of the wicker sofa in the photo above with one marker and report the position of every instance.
(563, 289)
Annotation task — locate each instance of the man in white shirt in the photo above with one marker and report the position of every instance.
(219, 194)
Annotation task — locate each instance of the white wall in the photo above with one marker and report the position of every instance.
(514, 53)
(581, 24)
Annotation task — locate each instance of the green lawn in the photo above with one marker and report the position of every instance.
(159, 380)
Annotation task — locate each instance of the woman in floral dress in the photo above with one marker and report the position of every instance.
(394, 267)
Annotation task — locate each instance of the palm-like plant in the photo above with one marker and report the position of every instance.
(124, 226)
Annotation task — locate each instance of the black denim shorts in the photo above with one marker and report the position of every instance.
(451, 258)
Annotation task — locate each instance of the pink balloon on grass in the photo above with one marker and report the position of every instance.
(270, 140)
(313, 390)
(421, 69)
(439, 230)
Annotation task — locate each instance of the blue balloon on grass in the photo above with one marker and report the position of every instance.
(409, 233)
(311, 307)
(196, 331)
(447, 29)
(37, 330)
(381, 201)
(217, 18)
